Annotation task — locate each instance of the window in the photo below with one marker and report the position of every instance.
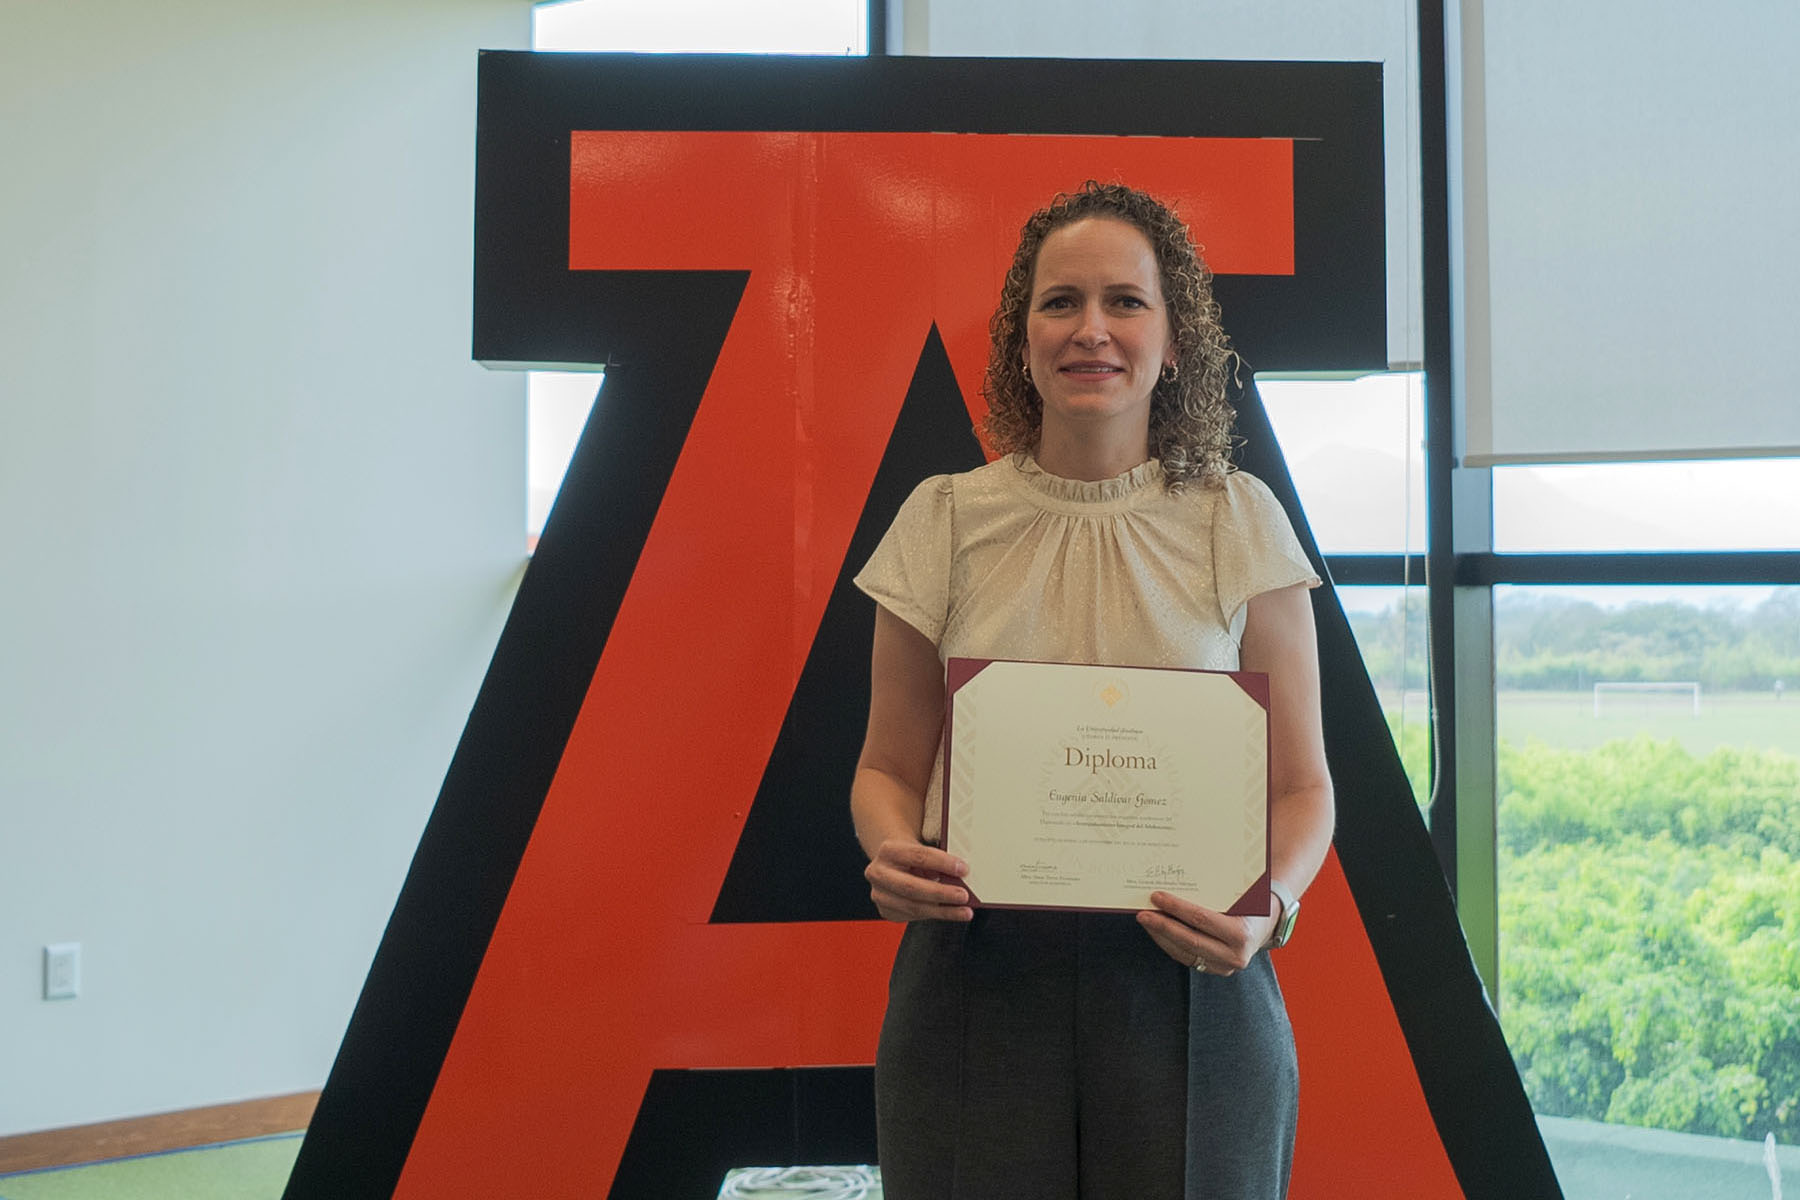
(1732, 504)
(557, 408)
(704, 26)
(1648, 823)
(1355, 450)
(1649, 857)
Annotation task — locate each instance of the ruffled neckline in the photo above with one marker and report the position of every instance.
(1090, 496)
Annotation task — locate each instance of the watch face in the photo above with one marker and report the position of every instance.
(1284, 925)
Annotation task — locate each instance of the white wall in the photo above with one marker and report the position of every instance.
(261, 519)
(1299, 30)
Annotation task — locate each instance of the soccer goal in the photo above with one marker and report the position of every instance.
(1689, 688)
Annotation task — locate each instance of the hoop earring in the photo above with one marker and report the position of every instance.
(1170, 371)
(1026, 367)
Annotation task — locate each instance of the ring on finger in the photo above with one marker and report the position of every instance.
(1200, 963)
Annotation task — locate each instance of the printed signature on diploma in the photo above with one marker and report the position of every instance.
(1040, 872)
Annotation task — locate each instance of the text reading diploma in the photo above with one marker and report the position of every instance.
(1073, 786)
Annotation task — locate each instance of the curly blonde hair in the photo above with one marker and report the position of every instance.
(1191, 415)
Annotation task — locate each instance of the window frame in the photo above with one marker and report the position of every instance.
(1460, 566)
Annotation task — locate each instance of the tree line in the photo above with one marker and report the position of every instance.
(1558, 643)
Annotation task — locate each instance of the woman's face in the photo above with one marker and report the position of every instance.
(1097, 330)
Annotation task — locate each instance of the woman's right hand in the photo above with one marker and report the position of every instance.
(910, 881)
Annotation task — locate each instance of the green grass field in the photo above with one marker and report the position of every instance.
(1566, 719)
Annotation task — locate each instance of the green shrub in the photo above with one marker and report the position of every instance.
(1650, 935)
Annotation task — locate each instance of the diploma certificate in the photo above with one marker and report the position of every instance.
(1085, 787)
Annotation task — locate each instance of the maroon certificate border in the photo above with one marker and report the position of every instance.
(1255, 684)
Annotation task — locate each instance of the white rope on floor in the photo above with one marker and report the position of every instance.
(814, 1183)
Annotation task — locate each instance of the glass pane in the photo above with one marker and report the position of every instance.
(1355, 450)
(1735, 504)
(697, 26)
(557, 406)
(1649, 858)
(1389, 624)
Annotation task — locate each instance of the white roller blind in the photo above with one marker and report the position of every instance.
(1642, 229)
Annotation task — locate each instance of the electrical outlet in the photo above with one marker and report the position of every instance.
(62, 971)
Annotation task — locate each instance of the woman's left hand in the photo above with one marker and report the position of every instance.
(1202, 939)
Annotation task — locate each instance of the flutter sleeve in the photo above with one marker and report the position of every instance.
(1254, 548)
(909, 573)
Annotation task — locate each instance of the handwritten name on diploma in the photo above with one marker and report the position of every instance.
(1134, 800)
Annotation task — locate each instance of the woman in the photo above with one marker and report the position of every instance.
(1060, 1055)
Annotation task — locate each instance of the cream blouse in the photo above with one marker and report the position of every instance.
(1009, 561)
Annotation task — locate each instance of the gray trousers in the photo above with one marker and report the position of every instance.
(1057, 1056)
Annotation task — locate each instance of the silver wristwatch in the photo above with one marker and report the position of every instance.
(1290, 912)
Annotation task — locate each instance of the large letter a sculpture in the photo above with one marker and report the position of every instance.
(634, 948)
